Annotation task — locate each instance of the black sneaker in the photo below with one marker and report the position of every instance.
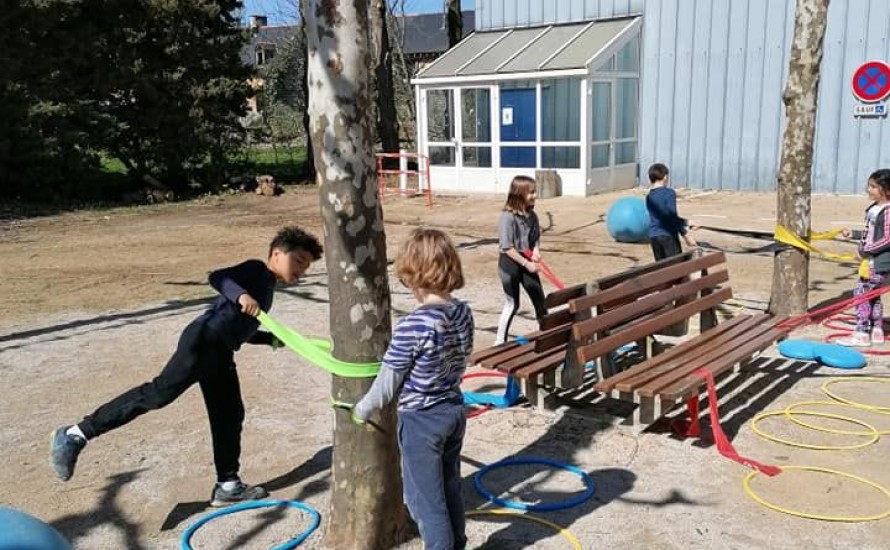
(241, 493)
(64, 451)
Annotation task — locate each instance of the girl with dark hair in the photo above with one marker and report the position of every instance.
(874, 250)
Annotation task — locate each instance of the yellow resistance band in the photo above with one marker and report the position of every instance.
(317, 351)
(519, 515)
(853, 519)
(785, 236)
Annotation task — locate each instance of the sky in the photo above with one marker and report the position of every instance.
(284, 11)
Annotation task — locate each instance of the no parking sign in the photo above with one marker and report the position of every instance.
(871, 82)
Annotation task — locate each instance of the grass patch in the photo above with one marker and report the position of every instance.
(285, 164)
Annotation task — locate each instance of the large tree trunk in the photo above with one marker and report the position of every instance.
(366, 510)
(387, 118)
(791, 269)
(455, 22)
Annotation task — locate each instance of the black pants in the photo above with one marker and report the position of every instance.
(665, 247)
(512, 276)
(198, 358)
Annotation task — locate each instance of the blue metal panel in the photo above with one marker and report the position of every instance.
(501, 14)
(712, 79)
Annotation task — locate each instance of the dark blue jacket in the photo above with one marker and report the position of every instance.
(224, 317)
(661, 202)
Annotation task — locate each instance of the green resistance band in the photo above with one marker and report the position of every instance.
(317, 351)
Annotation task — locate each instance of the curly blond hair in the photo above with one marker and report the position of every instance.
(428, 259)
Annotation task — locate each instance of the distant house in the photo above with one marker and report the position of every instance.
(425, 39)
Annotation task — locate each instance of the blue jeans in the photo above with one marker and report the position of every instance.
(431, 441)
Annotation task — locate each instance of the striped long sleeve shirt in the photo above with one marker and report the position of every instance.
(425, 360)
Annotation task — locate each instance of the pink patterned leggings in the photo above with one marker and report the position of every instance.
(871, 313)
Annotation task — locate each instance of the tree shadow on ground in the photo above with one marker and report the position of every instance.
(320, 462)
(115, 320)
(573, 431)
(107, 513)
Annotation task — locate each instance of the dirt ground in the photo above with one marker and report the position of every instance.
(92, 303)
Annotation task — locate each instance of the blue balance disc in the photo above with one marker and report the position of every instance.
(838, 356)
(19, 531)
(799, 349)
(628, 220)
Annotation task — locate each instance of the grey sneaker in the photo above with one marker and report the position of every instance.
(64, 451)
(241, 493)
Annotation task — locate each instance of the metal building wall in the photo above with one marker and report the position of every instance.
(713, 72)
(847, 149)
(712, 80)
(500, 14)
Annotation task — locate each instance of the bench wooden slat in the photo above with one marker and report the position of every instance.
(507, 355)
(722, 356)
(555, 319)
(611, 280)
(608, 384)
(690, 384)
(647, 283)
(477, 357)
(687, 352)
(546, 362)
(529, 359)
(650, 303)
(553, 337)
(639, 330)
(562, 297)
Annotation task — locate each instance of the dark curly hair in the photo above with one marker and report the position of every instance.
(292, 238)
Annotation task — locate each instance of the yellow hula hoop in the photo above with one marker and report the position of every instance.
(850, 401)
(769, 437)
(505, 512)
(852, 519)
(790, 413)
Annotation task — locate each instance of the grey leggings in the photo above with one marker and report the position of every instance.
(512, 276)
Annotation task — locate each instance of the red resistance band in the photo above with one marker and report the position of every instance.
(546, 271)
(724, 446)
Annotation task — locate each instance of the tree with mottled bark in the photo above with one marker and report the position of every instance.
(366, 509)
(385, 98)
(455, 22)
(791, 266)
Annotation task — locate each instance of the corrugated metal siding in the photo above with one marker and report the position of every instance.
(848, 150)
(712, 80)
(501, 14)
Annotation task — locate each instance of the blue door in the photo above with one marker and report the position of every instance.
(518, 124)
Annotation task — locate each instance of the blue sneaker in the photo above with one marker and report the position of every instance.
(64, 451)
(241, 493)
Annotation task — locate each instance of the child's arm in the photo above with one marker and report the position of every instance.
(396, 365)
(874, 248)
(225, 281)
(263, 338)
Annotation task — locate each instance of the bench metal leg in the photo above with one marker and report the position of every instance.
(534, 392)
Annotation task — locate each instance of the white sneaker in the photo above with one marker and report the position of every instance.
(857, 340)
(877, 336)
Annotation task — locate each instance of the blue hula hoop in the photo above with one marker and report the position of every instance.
(561, 505)
(293, 543)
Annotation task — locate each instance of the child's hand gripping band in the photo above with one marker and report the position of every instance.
(352, 416)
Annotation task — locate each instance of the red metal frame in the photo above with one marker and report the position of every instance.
(423, 171)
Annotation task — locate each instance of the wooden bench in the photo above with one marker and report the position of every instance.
(589, 322)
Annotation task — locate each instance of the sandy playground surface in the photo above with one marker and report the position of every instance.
(92, 303)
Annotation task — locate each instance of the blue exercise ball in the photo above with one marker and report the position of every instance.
(628, 220)
(19, 531)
